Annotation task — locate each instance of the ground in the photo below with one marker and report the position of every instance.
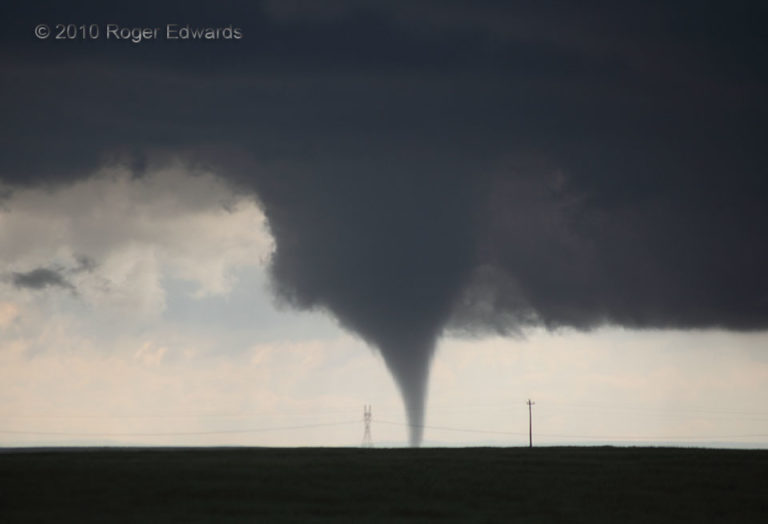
(384, 485)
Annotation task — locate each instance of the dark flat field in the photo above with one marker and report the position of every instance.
(384, 485)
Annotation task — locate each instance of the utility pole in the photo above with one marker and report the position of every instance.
(530, 423)
(367, 416)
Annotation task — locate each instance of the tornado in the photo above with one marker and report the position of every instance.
(412, 377)
(408, 360)
(476, 170)
(357, 241)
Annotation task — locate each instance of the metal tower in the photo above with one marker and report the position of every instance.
(367, 416)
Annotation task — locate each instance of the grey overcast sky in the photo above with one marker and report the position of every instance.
(238, 222)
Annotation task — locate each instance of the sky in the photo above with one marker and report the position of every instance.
(439, 209)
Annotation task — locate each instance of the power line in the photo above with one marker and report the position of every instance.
(440, 428)
(650, 437)
(242, 414)
(178, 433)
(443, 428)
(744, 415)
(559, 435)
(368, 419)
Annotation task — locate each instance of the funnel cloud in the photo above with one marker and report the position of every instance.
(435, 168)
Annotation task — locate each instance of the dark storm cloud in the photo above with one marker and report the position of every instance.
(476, 166)
(40, 278)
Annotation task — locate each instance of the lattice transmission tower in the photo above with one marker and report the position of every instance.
(367, 417)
